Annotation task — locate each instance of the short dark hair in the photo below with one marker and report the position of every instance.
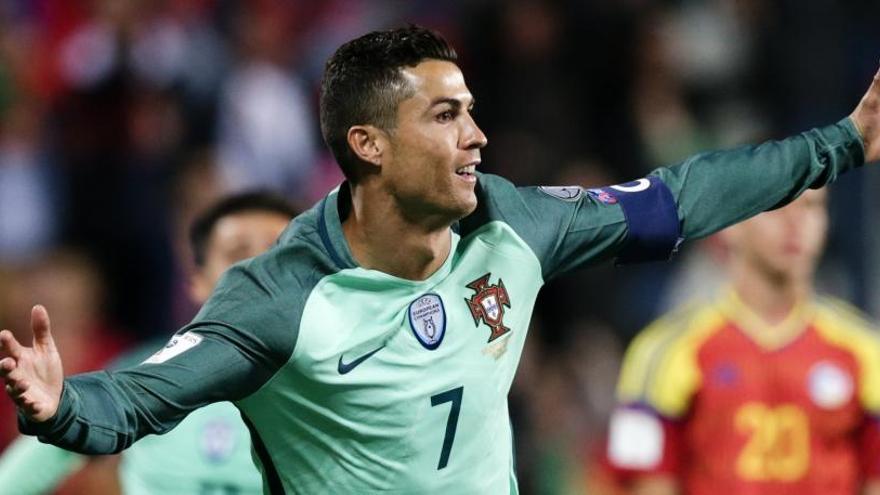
(253, 201)
(363, 85)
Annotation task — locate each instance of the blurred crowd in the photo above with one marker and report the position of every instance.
(121, 119)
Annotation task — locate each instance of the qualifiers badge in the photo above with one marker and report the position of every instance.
(427, 319)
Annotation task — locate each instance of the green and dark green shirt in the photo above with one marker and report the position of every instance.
(355, 381)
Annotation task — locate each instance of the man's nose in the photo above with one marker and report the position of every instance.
(473, 137)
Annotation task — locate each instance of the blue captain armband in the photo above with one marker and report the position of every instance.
(653, 229)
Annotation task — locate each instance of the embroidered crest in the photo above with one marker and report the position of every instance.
(488, 305)
(427, 319)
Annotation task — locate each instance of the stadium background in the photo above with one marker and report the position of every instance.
(121, 118)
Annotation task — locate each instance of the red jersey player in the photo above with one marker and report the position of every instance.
(768, 389)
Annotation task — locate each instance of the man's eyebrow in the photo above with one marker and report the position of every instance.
(453, 102)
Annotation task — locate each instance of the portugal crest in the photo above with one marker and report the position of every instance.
(487, 304)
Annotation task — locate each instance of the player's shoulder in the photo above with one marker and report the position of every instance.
(691, 320)
(840, 321)
(298, 259)
(500, 190)
(842, 325)
(660, 368)
(676, 338)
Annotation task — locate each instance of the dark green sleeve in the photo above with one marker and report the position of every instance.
(716, 189)
(647, 219)
(245, 333)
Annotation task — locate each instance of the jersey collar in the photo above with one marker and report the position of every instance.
(330, 226)
(768, 336)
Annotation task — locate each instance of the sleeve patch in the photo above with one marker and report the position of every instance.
(564, 193)
(653, 227)
(635, 439)
(175, 347)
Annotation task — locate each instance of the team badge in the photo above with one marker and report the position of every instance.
(487, 305)
(427, 319)
(829, 385)
(565, 193)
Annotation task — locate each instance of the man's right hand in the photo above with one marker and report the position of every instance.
(866, 118)
(33, 375)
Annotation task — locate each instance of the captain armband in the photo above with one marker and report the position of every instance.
(653, 227)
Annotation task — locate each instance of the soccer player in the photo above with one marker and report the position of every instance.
(373, 348)
(767, 389)
(210, 451)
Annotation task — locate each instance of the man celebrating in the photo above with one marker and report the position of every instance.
(374, 347)
(767, 389)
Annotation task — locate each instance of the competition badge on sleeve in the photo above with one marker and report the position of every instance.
(175, 347)
(564, 193)
(427, 319)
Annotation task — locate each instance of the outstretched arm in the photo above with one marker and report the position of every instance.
(216, 358)
(716, 189)
(645, 220)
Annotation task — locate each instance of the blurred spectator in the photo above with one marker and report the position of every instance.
(266, 135)
(28, 192)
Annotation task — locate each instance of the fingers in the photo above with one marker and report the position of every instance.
(17, 389)
(10, 345)
(41, 327)
(16, 385)
(7, 365)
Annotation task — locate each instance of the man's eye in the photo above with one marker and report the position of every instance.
(445, 116)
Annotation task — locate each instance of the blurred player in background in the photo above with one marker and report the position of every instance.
(768, 389)
(209, 451)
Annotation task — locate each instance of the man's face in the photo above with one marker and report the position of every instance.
(435, 146)
(234, 238)
(786, 243)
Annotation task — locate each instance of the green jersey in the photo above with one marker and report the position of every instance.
(208, 453)
(355, 381)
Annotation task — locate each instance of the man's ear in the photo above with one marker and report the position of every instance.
(368, 143)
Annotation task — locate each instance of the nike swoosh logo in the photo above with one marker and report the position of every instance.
(344, 368)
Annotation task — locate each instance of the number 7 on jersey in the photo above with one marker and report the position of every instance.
(453, 396)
